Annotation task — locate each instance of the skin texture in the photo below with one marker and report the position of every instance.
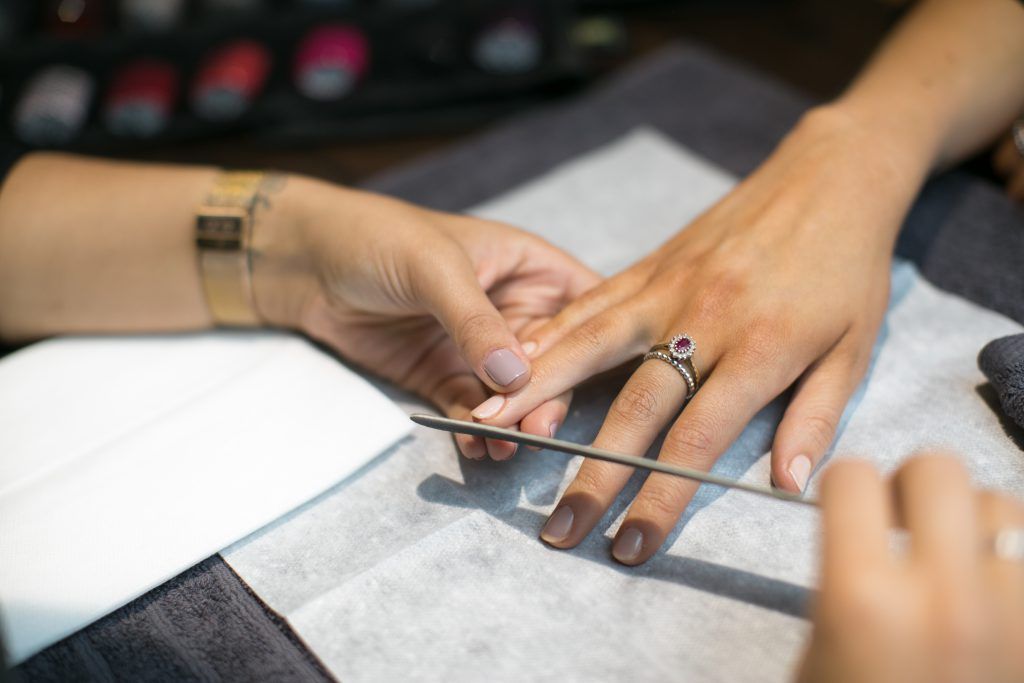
(419, 297)
(945, 610)
(782, 284)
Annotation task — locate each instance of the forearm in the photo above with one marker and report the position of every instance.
(945, 82)
(98, 246)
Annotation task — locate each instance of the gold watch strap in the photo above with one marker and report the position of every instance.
(224, 226)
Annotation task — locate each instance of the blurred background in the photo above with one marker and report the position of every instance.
(345, 88)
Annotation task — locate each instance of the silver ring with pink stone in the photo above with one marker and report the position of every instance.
(678, 353)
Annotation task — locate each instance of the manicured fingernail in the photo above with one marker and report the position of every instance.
(628, 545)
(558, 526)
(504, 367)
(529, 348)
(800, 471)
(553, 429)
(489, 408)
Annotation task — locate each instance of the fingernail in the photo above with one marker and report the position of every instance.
(800, 470)
(628, 545)
(489, 408)
(558, 525)
(553, 429)
(529, 348)
(504, 367)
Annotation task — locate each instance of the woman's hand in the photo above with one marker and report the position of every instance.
(785, 281)
(431, 301)
(949, 608)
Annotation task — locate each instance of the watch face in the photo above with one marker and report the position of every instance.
(220, 230)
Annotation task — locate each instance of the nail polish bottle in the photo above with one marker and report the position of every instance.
(330, 61)
(152, 15)
(53, 106)
(74, 18)
(230, 79)
(509, 45)
(141, 98)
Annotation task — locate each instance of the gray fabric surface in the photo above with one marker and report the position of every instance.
(964, 236)
(1002, 361)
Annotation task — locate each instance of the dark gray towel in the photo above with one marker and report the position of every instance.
(1002, 361)
(203, 625)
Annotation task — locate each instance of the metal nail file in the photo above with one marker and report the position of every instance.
(476, 429)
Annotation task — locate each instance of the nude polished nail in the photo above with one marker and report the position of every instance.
(628, 545)
(489, 408)
(800, 470)
(504, 367)
(558, 526)
(529, 348)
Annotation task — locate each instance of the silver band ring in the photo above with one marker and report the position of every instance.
(678, 352)
(1017, 132)
(691, 382)
(1008, 544)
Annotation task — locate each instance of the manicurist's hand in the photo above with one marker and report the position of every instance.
(785, 281)
(437, 303)
(947, 607)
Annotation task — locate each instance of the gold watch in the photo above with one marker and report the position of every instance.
(224, 225)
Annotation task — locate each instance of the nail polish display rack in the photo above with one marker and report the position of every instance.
(289, 71)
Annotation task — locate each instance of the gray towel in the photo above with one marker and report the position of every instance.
(1002, 361)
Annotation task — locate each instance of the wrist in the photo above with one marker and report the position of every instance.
(283, 270)
(879, 141)
(872, 172)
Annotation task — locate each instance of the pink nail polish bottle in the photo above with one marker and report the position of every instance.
(330, 61)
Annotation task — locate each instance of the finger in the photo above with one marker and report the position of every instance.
(452, 292)
(650, 398)
(856, 514)
(936, 503)
(1007, 158)
(587, 305)
(600, 344)
(547, 418)
(809, 424)
(455, 395)
(713, 419)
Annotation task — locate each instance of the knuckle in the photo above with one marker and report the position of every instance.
(637, 403)
(762, 344)
(590, 479)
(960, 631)
(590, 335)
(661, 502)
(474, 326)
(692, 440)
(717, 298)
(820, 425)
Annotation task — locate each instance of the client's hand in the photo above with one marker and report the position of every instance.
(949, 608)
(431, 301)
(785, 281)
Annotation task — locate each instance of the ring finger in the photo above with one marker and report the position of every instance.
(651, 397)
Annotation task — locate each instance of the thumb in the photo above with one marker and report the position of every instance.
(451, 292)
